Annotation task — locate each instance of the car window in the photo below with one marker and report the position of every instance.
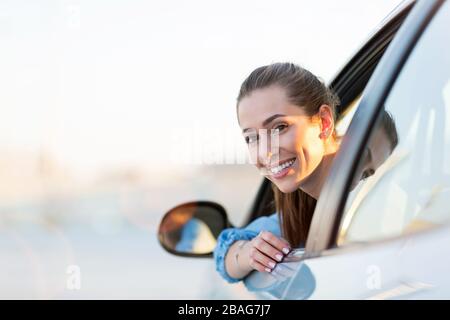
(402, 183)
(344, 119)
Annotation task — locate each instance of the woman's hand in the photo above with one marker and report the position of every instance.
(264, 251)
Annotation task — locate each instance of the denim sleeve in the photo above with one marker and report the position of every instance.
(228, 236)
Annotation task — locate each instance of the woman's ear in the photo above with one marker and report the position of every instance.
(326, 121)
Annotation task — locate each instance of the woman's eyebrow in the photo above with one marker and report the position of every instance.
(268, 120)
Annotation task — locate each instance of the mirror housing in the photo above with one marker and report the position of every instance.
(191, 229)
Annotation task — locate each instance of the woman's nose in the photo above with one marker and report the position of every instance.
(267, 159)
(260, 158)
(264, 159)
(264, 152)
(268, 150)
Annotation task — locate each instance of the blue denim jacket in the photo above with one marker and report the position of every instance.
(228, 236)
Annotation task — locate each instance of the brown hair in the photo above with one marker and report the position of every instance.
(308, 92)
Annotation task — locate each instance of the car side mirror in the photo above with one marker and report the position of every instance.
(191, 229)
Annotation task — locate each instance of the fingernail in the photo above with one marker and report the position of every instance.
(279, 257)
(272, 265)
(268, 270)
(286, 250)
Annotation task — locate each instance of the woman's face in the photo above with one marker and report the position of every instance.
(300, 149)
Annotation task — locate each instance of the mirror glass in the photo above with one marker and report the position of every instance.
(192, 228)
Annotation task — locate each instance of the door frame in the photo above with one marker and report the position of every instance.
(330, 206)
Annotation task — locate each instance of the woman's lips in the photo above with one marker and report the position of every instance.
(284, 171)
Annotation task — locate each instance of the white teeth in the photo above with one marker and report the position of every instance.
(277, 169)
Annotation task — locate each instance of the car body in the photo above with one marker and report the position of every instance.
(388, 237)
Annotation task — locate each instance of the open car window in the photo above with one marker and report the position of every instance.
(402, 183)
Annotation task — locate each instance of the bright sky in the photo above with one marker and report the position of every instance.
(105, 83)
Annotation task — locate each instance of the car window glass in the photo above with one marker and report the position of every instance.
(402, 183)
(343, 121)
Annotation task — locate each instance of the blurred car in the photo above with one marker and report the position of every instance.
(381, 227)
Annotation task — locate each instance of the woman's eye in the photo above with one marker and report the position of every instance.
(250, 139)
(279, 128)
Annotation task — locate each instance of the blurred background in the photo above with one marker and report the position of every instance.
(113, 112)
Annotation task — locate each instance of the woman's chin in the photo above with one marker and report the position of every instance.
(286, 187)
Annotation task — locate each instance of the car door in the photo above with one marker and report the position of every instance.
(381, 225)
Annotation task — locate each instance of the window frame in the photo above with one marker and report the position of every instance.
(330, 207)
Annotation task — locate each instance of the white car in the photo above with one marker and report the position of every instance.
(388, 237)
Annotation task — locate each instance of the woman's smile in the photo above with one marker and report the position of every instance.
(283, 168)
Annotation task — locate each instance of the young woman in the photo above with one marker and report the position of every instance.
(286, 102)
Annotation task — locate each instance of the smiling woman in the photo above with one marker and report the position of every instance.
(287, 116)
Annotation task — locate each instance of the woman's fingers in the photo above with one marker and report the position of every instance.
(268, 249)
(276, 242)
(260, 261)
